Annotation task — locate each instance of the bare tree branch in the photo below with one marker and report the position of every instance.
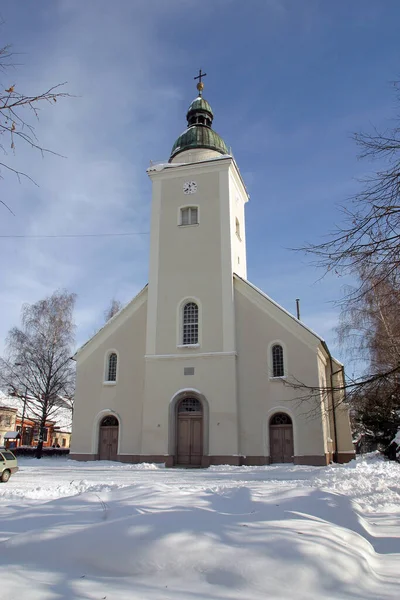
(367, 246)
(15, 108)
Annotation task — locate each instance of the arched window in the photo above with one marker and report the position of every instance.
(109, 421)
(281, 419)
(190, 405)
(237, 225)
(112, 367)
(190, 329)
(278, 369)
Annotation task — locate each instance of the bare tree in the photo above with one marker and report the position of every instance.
(38, 358)
(370, 328)
(370, 325)
(15, 108)
(367, 246)
(112, 309)
(368, 242)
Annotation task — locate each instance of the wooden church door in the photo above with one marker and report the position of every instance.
(189, 432)
(281, 438)
(108, 439)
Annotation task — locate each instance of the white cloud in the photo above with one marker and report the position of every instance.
(105, 132)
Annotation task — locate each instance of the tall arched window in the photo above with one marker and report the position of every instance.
(278, 367)
(190, 328)
(112, 367)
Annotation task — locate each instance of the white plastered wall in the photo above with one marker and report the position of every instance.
(96, 398)
(260, 396)
(214, 378)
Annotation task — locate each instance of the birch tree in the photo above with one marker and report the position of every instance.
(38, 357)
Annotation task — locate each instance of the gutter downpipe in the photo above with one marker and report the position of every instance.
(335, 454)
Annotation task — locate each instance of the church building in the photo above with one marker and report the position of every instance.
(201, 367)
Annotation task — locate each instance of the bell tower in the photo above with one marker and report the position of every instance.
(197, 243)
(198, 237)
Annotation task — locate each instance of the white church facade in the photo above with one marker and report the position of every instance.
(198, 368)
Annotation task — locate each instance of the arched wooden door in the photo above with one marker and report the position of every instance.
(108, 438)
(189, 432)
(281, 438)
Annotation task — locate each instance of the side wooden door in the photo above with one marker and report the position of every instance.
(183, 453)
(276, 444)
(196, 441)
(108, 443)
(281, 437)
(287, 442)
(189, 433)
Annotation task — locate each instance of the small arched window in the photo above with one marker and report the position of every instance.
(190, 405)
(112, 367)
(281, 419)
(278, 367)
(109, 421)
(238, 229)
(190, 328)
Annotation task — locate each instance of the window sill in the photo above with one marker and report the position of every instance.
(188, 346)
(189, 225)
(278, 378)
(109, 383)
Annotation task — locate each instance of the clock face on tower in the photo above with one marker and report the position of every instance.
(189, 187)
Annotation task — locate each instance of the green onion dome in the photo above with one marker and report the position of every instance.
(199, 133)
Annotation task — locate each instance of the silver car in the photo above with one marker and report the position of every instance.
(8, 465)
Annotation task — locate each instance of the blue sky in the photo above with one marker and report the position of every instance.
(288, 81)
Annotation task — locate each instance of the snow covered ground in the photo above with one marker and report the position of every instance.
(112, 531)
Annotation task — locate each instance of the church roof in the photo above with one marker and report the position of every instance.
(262, 294)
(198, 136)
(201, 104)
(124, 311)
(199, 133)
(251, 286)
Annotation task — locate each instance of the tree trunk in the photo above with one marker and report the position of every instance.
(39, 449)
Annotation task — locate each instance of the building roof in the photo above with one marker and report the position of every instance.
(292, 317)
(12, 435)
(61, 416)
(199, 133)
(198, 136)
(124, 311)
(199, 104)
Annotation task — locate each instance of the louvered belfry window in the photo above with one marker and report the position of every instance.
(190, 324)
(112, 367)
(277, 361)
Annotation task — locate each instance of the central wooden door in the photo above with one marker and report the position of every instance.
(108, 439)
(281, 438)
(189, 432)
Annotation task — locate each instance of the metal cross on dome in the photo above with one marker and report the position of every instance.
(200, 75)
(200, 85)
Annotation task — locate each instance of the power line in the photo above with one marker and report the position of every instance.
(77, 235)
